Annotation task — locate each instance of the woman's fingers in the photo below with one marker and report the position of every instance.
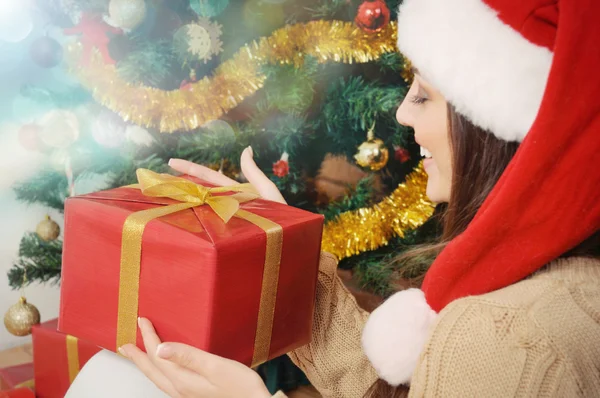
(190, 358)
(226, 377)
(202, 172)
(258, 179)
(183, 381)
(265, 187)
(145, 364)
(151, 339)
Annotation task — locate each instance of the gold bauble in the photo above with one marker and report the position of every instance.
(372, 153)
(47, 229)
(21, 317)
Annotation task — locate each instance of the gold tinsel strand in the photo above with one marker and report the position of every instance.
(366, 229)
(234, 80)
(407, 71)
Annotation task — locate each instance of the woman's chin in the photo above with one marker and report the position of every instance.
(434, 193)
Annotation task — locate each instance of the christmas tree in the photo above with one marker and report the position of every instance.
(312, 86)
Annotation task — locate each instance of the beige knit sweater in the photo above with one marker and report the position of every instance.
(537, 338)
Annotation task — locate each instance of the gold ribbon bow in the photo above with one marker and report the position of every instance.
(192, 195)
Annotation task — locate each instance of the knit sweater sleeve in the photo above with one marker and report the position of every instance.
(539, 337)
(334, 361)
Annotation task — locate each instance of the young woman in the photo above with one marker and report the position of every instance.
(511, 305)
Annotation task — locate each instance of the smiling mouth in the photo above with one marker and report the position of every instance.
(425, 153)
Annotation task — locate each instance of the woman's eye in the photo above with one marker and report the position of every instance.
(415, 99)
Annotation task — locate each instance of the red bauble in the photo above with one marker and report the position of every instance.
(401, 154)
(372, 16)
(29, 137)
(281, 168)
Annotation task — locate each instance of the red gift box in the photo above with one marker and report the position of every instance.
(16, 377)
(17, 393)
(57, 359)
(200, 279)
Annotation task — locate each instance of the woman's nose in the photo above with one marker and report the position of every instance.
(402, 114)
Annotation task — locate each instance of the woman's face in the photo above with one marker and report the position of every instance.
(424, 109)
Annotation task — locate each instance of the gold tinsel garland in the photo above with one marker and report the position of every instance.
(233, 80)
(366, 229)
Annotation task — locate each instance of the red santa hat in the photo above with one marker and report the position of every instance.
(526, 70)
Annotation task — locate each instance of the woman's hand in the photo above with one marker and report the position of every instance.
(183, 371)
(265, 187)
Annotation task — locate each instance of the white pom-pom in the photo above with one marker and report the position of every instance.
(395, 335)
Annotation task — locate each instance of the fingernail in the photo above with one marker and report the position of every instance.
(164, 351)
(170, 161)
(122, 352)
(139, 322)
(251, 151)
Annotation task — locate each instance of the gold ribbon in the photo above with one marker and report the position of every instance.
(192, 195)
(26, 384)
(72, 357)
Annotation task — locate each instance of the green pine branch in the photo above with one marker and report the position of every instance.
(39, 260)
(378, 269)
(150, 64)
(357, 197)
(68, 98)
(48, 188)
(353, 105)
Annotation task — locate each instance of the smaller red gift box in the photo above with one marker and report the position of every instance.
(17, 393)
(16, 377)
(57, 359)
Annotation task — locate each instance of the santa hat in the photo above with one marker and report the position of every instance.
(526, 70)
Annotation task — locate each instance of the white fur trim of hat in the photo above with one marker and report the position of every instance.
(490, 73)
(395, 335)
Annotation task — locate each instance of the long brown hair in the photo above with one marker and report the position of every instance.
(478, 161)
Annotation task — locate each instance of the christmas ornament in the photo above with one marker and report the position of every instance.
(281, 168)
(208, 8)
(126, 14)
(29, 137)
(109, 129)
(15, 22)
(187, 84)
(372, 153)
(20, 317)
(221, 129)
(139, 136)
(46, 52)
(235, 79)
(94, 34)
(47, 229)
(60, 129)
(369, 228)
(198, 41)
(372, 16)
(401, 154)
